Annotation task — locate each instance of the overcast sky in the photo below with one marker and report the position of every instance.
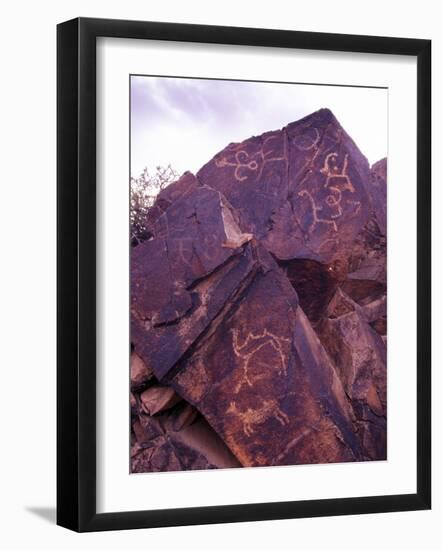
(184, 122)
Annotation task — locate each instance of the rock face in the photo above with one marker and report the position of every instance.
(258, 308)
(300, 190)
(359, 356)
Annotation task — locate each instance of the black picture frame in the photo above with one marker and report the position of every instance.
(77, 286)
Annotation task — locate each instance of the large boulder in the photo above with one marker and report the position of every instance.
(301, 190)
(258, 308)
(264, 382)
(359, 355)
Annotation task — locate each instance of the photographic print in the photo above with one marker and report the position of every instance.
(258, 268)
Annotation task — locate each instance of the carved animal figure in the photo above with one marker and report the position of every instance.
(251, 345)
(253, 417)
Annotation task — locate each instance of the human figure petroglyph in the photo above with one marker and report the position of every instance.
(251, 418)
(254, 162)
(331, 171)
(337, 181)
(251, 345)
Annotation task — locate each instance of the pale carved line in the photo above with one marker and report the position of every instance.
(250, 418)
(315, 210)
(252, 165)
(307, 168)
(314, 141)
(333, 172)
(240, 351)
(333, 201)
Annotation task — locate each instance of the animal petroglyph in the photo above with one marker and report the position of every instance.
(251, 418)
(251, 345)
(254, 163)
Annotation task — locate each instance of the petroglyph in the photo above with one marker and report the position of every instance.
(331, 171)
(238, 164)
(334, 201)
(294, 442)
(306, 142)
(251, 418)
(251, 345)
(315, 210)
(337, 181)
(255, 162)
(307, 168)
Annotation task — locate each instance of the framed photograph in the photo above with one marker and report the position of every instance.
(240, 212)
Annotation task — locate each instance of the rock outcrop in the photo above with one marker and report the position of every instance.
(258, 308)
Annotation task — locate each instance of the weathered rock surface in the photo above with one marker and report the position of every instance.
(140, 374)
(160, 444)
(359, 354)
(377, 189)
(264, 382)
(300, 189)
(172, 303)
(158, 398)
(186, 183)
(258, 308)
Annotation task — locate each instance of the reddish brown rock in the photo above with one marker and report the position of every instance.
(359, 354)
(173, 302)
(315, 283)
(158, 398)
(140, 374)
(158, 447)
(133, 404)
(300, 190)
(368, 282)
(264, 382)
(260, 300)
(183, 416)
(186, 183)
(367, 266)
(377, 190)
